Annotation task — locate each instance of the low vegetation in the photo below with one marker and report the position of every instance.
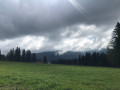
(37, 76)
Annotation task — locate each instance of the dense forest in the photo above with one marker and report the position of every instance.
(19, 56)
(111, 58)
(89, 59)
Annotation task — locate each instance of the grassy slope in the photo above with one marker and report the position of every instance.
(29, 76)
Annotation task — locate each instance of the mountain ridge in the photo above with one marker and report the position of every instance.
(61, 54)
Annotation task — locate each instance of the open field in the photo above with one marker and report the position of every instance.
(36, 76)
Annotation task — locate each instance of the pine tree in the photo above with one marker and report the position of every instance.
(114, 47)
(17, 54)
(44, 59)
(0, 54)
(23, 55)
(80, 59)
(88, 57)
(10, 55)
(33, 57)
(28, 56)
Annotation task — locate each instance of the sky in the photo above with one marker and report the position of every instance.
(48, 25)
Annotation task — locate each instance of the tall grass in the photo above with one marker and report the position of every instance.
(36, 76)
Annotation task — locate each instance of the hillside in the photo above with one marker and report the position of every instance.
(55, 55)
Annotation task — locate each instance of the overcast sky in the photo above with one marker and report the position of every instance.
(45, 25)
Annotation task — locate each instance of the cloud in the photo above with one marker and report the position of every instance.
(28, 42)
(75, 38)
(84, 37)
(57, 24)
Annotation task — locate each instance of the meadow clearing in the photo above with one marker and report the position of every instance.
(37, 76)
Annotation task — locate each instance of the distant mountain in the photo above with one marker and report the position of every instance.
(56, 55)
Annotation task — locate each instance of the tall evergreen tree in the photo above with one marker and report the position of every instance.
(88, 57)
(33, 57)
(10, 55)
(28, 56)
(0, 54)
(114, 47)
(44, 59)
(23, 55)
(17, 54)
(94, 58)
(80, 59)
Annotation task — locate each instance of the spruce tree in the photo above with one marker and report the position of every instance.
(114, 47)
(33, 57)
(23, 55)
(10, 55)
(28, 56)
(80, 59)
(17, 54)
(44, 59)
(0, 54)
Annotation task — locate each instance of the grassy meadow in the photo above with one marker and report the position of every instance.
(36, 76)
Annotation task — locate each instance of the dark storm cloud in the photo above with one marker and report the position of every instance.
(47, 18)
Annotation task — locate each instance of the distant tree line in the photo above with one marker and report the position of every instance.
(89, 59)
(19, 55)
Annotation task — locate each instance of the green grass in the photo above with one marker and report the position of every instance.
(36, 76)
